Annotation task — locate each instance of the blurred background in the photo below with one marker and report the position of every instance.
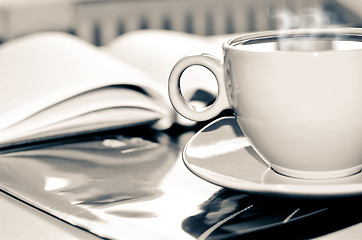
(100, 21)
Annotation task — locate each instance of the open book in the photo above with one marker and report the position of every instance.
(55, 84)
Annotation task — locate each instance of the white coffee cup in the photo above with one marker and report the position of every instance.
(296, 95)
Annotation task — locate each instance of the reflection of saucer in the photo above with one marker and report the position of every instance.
(220, 154)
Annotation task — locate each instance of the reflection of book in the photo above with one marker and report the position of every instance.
(54, 84)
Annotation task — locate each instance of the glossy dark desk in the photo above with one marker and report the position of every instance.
(132, 184)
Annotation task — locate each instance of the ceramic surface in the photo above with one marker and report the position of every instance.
(220, 154)
(290, 90)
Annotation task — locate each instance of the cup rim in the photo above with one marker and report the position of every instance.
(283, 33)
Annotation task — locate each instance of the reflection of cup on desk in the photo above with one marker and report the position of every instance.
(296, 95)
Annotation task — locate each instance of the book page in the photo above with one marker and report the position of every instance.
(43, 69)
(102, 120)
(93, 103)
(157, 51)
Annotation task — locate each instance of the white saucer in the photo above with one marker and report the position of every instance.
(220, 154)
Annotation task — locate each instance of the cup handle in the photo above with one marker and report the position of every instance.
(174, 88)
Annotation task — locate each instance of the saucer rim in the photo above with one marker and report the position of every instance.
(288, 189)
